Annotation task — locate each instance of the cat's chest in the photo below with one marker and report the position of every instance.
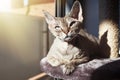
(65, 49)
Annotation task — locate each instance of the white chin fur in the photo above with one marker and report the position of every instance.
(67, 39)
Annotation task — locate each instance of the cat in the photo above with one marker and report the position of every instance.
(72, 45)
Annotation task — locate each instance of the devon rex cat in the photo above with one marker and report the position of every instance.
(72, 45)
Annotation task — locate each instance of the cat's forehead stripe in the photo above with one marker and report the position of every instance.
(63, 24)
(62, 21)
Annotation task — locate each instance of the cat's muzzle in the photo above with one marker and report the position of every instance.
(68, 38)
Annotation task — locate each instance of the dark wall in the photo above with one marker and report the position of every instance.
(21, 46)
(92, 16)
(119, 13)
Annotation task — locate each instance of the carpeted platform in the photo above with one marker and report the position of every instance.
(97, 69)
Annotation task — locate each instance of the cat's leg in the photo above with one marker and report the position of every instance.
(53, 61)
(70, 67)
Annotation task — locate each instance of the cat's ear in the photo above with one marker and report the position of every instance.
(76, 11)
(49, 18)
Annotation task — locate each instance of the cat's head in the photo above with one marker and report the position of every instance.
(68, 27)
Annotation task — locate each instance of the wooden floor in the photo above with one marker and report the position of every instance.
(41, 76)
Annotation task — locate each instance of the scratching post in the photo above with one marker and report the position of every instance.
(108, 28)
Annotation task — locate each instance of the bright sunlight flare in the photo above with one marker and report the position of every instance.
(5, 5)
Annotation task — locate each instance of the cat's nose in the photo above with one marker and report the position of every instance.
(66, 31)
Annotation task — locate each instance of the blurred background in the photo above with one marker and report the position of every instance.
(24, 37)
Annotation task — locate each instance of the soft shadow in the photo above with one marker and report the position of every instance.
(110, 71)
(105, 49)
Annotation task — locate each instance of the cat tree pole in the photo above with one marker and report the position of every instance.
(104, 69)
(109, 27)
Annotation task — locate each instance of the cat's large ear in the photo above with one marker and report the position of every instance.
(49, 18)
(76, 11)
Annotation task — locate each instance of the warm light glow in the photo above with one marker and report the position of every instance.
(25, 2)
(5, 5)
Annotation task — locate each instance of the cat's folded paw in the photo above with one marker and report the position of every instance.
(68, 68)
(53, 62)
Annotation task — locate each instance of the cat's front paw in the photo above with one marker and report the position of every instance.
(68, 68)
(53, 61)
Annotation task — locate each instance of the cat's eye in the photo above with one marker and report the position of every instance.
(73, 22)
(56, 27)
